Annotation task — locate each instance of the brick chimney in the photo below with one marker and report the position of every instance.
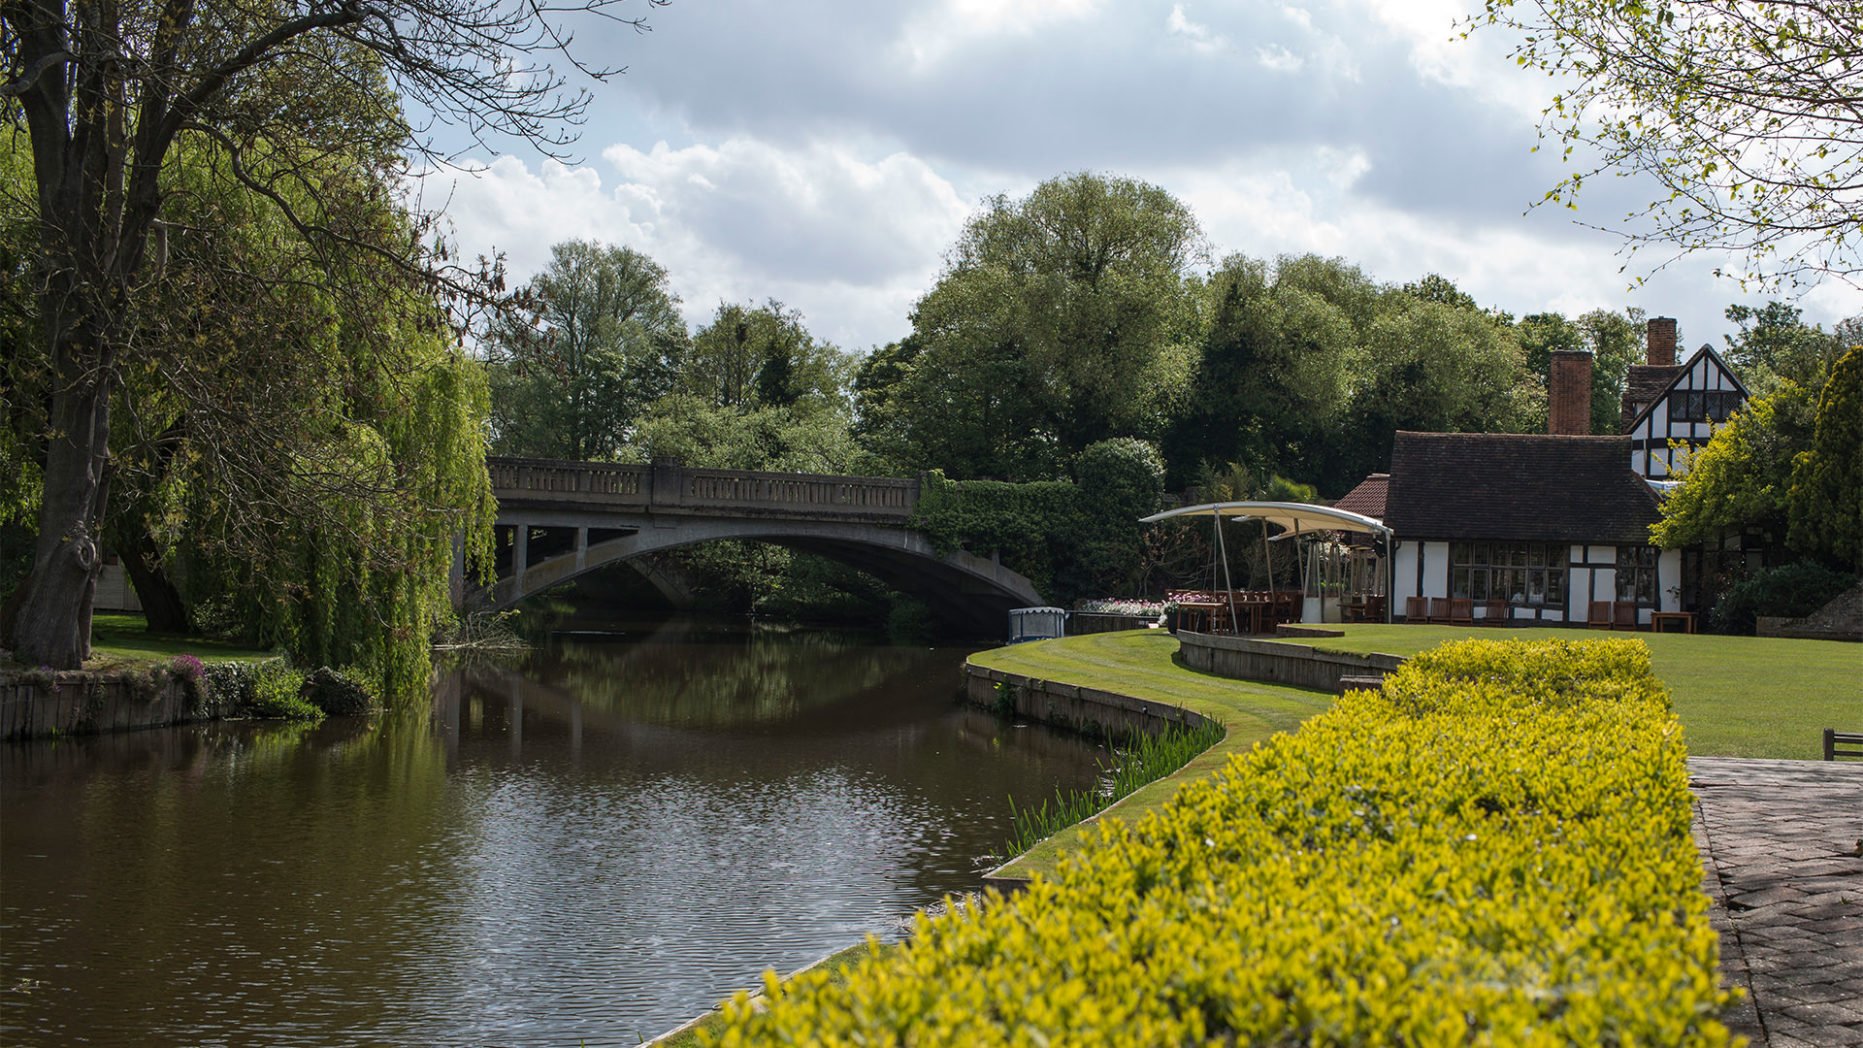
(1568, 393)
(1661, 342)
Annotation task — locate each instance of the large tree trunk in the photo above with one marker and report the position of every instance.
(155, 591)
(54, 620)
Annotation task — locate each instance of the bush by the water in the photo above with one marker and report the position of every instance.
(1789, 591)
(1492, 849)
(266, 690)
(337, 694)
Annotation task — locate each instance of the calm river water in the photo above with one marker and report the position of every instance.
(588, 851)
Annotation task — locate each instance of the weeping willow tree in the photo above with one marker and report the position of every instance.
(297, 449)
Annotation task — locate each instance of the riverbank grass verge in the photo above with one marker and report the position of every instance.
(1139, 664)
(1767, 697)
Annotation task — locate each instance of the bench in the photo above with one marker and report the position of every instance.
(1842, 744)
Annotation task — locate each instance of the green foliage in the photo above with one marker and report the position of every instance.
(1789, 590)
(337, 694)
(1740, 478)
(1069, 539)
(1774, 345)
(1495, 848)
(1274, 374)
(1062, 319)
(601, 339)
(1435, 367)
(1743, 114)
(278, 694)
(1825, 504)
(265, 690)
(1035, 527)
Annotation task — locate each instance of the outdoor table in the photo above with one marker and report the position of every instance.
(1684, 619)
(1197, 616)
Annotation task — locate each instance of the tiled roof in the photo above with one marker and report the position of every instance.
(1517, 487)
(1368, 498)
(1644, 383)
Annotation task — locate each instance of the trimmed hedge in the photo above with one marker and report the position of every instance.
(1495, 848)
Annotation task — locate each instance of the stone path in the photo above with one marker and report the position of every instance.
(1782, 851)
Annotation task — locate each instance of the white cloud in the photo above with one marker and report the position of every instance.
(848, 239)
(1200, 37)
(930, 36)
(1279, 59)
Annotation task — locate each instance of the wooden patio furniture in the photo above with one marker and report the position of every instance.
(1440, 610)
(1461, 611)
(1599, 617)
(1416, 609)
(1494, 613)
(1624, 615)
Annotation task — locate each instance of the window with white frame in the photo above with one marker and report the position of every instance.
(1522, 573)
(1636, 575)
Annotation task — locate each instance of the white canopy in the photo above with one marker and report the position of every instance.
(1294, 518)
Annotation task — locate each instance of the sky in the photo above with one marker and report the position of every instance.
(827, 154)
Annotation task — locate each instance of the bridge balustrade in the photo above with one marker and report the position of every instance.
(676, 489)
(874, 496)
(589, 481)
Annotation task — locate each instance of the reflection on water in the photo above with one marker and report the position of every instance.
(591, 849)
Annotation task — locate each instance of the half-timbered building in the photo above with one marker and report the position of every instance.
(1666, 403)
(1530, 527)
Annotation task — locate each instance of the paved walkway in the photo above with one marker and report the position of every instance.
(1782, 850)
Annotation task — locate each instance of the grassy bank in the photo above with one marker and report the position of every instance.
(1736, 696)
(121, 639)
(1138, 663)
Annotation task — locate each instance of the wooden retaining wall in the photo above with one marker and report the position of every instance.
(1088, 710)
(1243, 658)
(44, 705)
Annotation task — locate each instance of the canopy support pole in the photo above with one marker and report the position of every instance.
(1267, 556)
(1228, 588)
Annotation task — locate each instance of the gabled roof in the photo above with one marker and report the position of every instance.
(1517, 487)
(1684, 369)
(1644, 384)
(1368, 497)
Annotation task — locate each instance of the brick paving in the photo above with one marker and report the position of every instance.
(1782, 855)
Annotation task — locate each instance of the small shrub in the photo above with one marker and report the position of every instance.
(1789, 591)
(338, 694)
(186, 667)
(230, 689)
(278, 694)
(1004, 705)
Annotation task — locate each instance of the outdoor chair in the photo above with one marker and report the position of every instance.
(1416, 609)
(1624, 615)
(1599, 618)
(1494, 613)
(1441, 609)
(1461, 611)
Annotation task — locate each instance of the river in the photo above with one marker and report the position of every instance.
(587, 850)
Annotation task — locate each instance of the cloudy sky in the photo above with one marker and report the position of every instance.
(827, 152)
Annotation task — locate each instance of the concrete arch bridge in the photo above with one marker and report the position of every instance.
(557, 520)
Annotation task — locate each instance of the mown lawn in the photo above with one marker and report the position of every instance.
(1138, 663)
(121, 639)
(1735, 696)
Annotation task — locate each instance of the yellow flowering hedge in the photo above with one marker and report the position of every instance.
(1493, 849)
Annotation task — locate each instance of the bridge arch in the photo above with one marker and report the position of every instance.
(619, 513)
